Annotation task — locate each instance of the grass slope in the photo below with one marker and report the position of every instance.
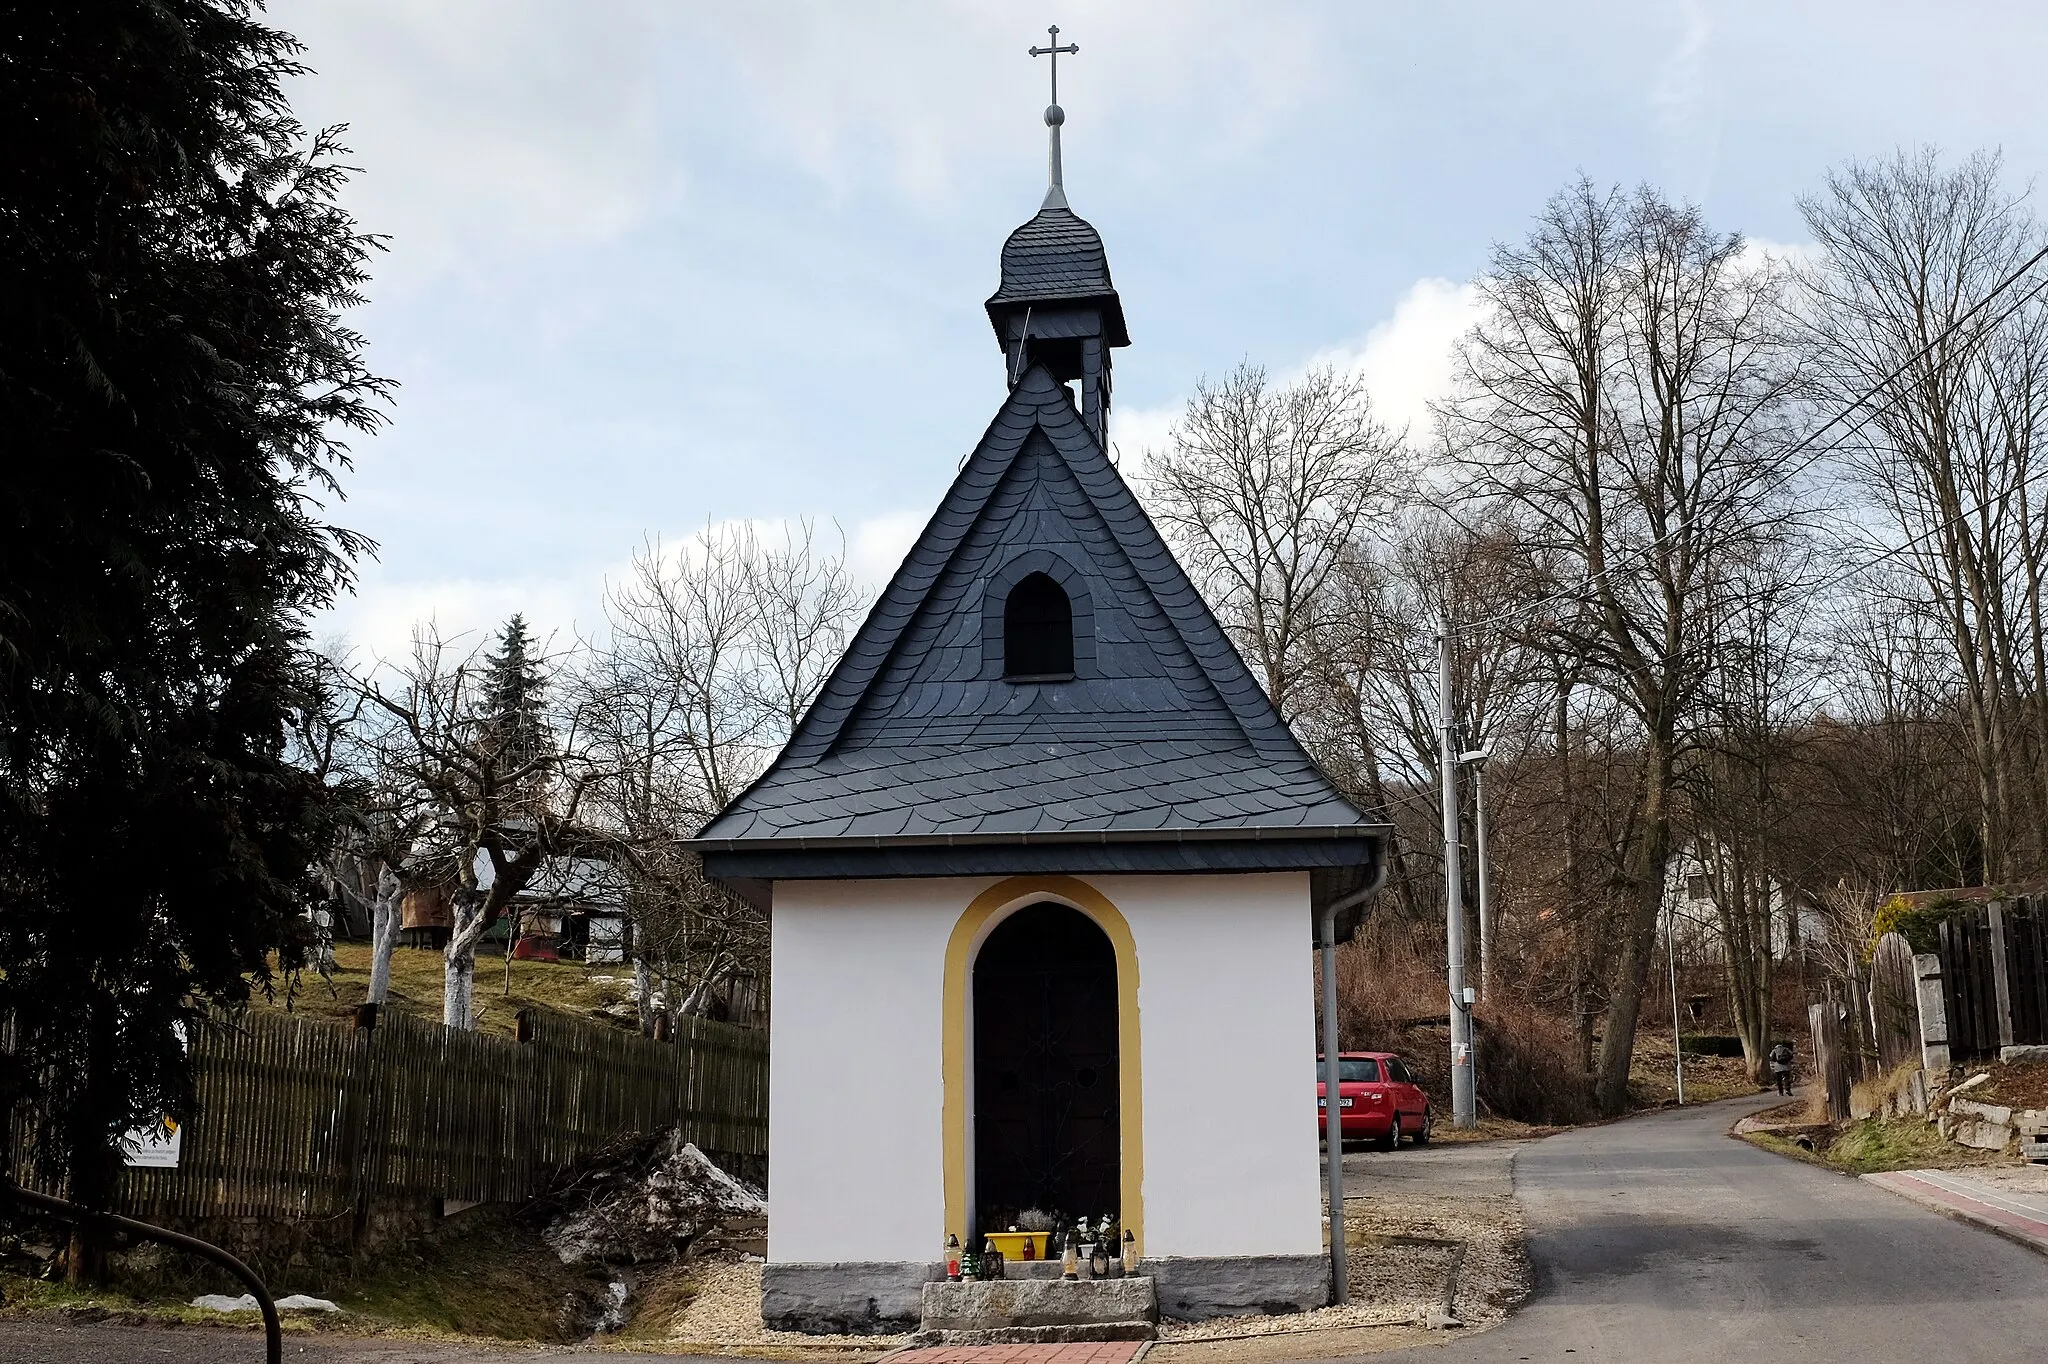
(416, 980)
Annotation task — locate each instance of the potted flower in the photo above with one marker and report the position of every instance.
(1028, 1238)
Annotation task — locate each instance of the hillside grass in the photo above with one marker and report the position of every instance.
(416, 980)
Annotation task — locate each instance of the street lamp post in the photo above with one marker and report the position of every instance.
(1477, 759)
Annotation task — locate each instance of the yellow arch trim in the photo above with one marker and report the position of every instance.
(1014, 893)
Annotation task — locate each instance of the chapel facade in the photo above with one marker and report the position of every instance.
(1043, 867)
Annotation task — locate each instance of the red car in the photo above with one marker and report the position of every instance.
(1377, 1097)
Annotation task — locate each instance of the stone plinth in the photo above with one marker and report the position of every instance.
(1005, 1303)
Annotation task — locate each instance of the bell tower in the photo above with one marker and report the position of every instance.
(1056, 306)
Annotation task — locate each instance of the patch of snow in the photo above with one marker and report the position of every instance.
(614, 1314)
(297, 1302)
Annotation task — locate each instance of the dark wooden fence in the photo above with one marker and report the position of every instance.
(1994, 976)
(309, 1119)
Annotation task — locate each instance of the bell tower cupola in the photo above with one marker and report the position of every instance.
(1056, 306)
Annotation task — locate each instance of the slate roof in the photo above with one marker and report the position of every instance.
(1057, 257)
(1162, 736)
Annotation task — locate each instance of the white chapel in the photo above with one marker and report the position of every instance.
(1043, 867)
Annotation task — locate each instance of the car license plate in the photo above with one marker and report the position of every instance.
(1325, 1103)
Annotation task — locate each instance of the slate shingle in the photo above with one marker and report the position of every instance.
(915, 732)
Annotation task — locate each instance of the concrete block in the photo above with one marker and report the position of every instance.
(998, 1303)
(1984, 1136)
(2022, 1055)
(1196, 1288)
(1991, 1113)
(1934, 1052)
(861, 1298)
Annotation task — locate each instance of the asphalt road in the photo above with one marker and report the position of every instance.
(1662, 1240)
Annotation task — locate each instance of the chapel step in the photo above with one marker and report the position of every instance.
(1030, 1304)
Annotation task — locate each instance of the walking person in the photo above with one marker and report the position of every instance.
(1781, 1066)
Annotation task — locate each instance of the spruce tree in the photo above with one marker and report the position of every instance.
(174, 377)
(514, 699)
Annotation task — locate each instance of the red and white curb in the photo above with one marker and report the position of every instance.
(2017, 1217)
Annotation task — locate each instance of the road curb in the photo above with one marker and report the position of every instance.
(1920, 1186)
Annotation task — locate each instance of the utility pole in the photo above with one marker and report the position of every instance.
(1464, 1106)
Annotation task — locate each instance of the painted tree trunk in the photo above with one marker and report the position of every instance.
(458, 992)
(458, 973)
(386, 917)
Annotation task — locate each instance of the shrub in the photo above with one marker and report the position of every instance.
(1710, 1044)
(1392, 997)
(1919, 925)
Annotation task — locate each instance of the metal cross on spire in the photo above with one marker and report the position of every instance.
(1055, 191)
(1053, 51)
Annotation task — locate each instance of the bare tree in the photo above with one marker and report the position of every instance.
(1261, 490)
(1625, 395)
(1903, 302)
(1742, 782)
(494, 797)
(712, 654)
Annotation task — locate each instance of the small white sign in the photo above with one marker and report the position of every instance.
(147, 1148)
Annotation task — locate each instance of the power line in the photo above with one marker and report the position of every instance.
(1862, 399)
(1912, 540)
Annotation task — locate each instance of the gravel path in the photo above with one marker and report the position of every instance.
(1414, 1216)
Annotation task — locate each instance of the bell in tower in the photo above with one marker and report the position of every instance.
(1056, 306)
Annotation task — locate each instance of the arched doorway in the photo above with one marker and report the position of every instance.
(1046, 1129)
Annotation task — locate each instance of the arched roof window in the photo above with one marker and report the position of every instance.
(1038, 630)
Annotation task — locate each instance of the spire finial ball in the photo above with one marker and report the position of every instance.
(1054, 116)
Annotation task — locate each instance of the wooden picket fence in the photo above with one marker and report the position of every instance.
(309, 1119)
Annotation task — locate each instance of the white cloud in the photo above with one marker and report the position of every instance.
(487, 127)
(878, 544)
(1406, 359)
(378, 621)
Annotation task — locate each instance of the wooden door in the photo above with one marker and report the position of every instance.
(1046, 1131)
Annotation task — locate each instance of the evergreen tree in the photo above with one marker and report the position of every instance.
(515, 693)
(173, 380)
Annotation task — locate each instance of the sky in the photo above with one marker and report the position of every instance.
(651, 266)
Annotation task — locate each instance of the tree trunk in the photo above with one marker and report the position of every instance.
(643, 995)
(1748, 958)
(1646, 869)
(385, 919)
(458, 974)
(95, 1166)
